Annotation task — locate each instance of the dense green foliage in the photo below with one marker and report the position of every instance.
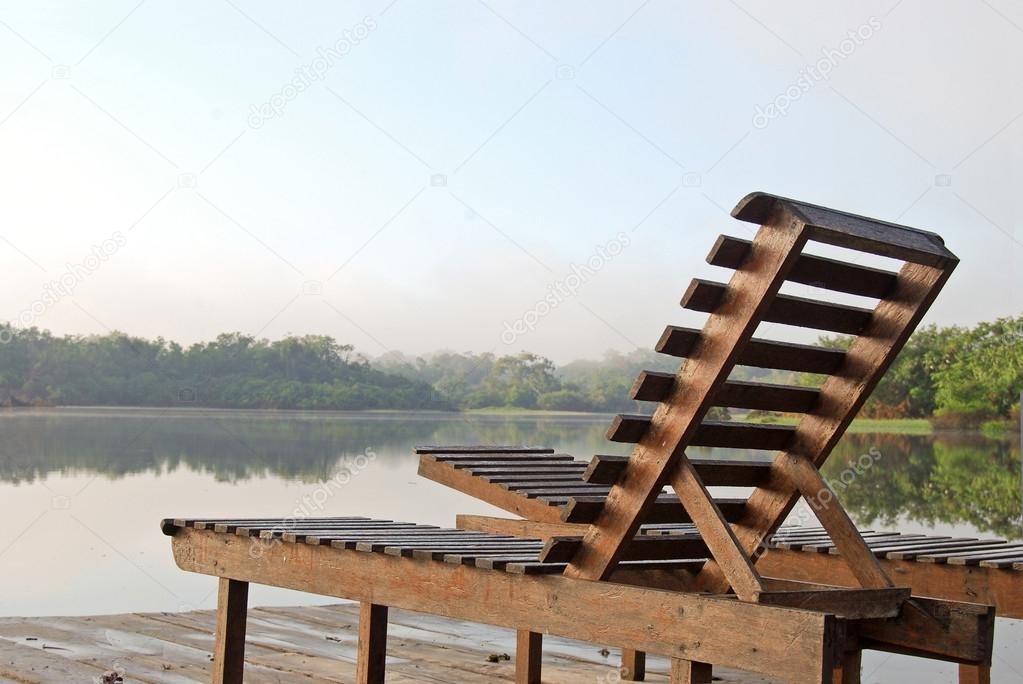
(957, 377)
(234, 370)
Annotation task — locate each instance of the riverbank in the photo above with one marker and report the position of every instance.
(898, 426)
(311, 645)
(908, 426)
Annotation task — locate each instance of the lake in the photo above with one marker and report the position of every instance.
(83, 491)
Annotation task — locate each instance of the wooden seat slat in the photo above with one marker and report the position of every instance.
(518, 481)
(576, 481)
(822, 543)
(277, 531)
(501, 562)
(736, 435)
(839, 276)
(319, 539)
(482, 449)
(473, 465)
(466, 546)
(288, 526)
(666, 510)
(471, 558)
(551, 492)
(500, 456)
(497, 474)
(377, 546)
(919, 542)
(259, 529)
(519, 568)
(714, 472)
(1001, 563)
(631, 428)
(679, 341)
(657, 386)
(563, 549)
(942, 557)
(1012, 551)
(706, 296)
(438, 551)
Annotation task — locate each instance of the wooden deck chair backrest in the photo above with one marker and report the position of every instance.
(775, 256)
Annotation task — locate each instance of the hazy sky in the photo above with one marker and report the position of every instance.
(415, 175)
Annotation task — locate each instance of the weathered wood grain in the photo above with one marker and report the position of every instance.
(799, 646)
(842, 395)
(805, 358)
(731, 252)
(371, 663)
(707, 296)
(229, 647)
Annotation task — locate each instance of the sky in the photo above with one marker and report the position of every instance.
(413, 176)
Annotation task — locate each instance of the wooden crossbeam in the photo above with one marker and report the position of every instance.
(661, 451)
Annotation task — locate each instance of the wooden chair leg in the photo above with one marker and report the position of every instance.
(528, 657)
(690, 672)
(229, 644)
(974, 674)
(371, 660)
(849, 671)
(633, 665)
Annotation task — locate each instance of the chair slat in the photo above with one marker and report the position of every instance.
(584, 509)
(714, 472)
(630, 429)
(563, 549)
(679, 341)
(486, 449)
(839, 276)
(706, 296)
(656, 386)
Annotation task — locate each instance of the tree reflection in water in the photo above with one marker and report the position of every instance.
(944, 479)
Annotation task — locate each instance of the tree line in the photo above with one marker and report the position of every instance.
(956, 376)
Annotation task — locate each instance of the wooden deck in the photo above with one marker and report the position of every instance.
(311, 645)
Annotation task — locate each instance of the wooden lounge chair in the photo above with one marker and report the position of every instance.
(603, 553)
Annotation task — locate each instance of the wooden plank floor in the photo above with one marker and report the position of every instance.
(312, 645)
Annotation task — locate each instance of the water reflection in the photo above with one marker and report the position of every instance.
(946, 479)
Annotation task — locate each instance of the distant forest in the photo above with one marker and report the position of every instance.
(955, 376)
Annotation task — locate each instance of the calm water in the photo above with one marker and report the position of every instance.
(82, 493)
